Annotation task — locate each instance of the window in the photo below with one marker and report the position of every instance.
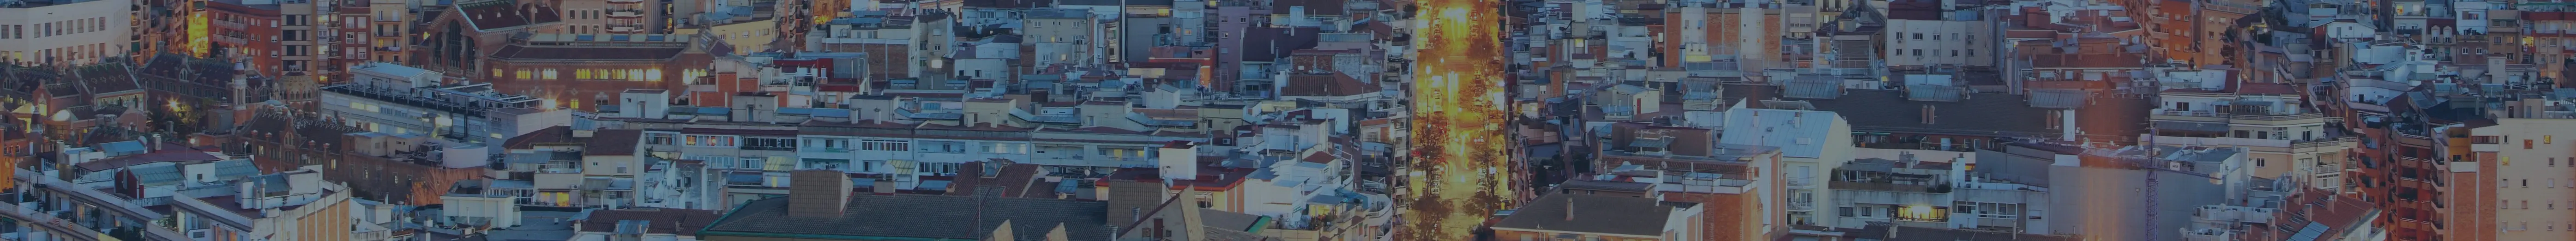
(2259, 162)
(1206, 200)
(709, 140)
(1846, 211)
(1918, 36)
(943, 147)
(877, 145)
(1006, 148)
(939, 168)
(774, 144)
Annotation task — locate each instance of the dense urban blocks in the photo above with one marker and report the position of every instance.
(1461, 171)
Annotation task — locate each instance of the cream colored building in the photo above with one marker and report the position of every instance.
(75, 33)
(1812, 144)
(2536, 176)
(2281, 139)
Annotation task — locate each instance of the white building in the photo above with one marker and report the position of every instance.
(1811, 143)
(64, 32)
(1938, 42)
(395, 99)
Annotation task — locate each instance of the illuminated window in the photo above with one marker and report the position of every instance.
(525, 74)
(581, 74)
(547, 74)
(1922, 213)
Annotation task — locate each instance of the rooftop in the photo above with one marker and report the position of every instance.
(1591, 214)
(1798, 133)
(905, 216)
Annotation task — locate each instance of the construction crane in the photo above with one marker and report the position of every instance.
(2153, 162)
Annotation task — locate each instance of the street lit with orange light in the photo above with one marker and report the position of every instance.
(1461, 169)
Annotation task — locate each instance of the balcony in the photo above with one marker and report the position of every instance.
(2321, 145)
(625, 1)
(1888, 187)
(625, 30)
(627, 14)
(2198, 116)
(1801, 182)
(2276, 119)
(1802, 206)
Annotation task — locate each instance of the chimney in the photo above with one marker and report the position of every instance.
(884, 187)
(818, 194)
(1569, 209)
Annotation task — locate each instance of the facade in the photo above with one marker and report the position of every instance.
(2287, 138)
(1812, 145)
(295, 204)
(65, 33)
(2531, 199)
(579, 71)
(279, 38)
(1925, 33)
(600, 17)
(398, 100)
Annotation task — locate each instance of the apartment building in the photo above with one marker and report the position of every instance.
(2532, 185)
(1812, 144)
(295, 205)
(1927, 33)
(65, 32)
(2287, 137)
(1741, 203)
(395, 99)
(277, 37)
(388, 30)
(1906, 192)
(582, 71)
(606, 17)
(885, 40)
